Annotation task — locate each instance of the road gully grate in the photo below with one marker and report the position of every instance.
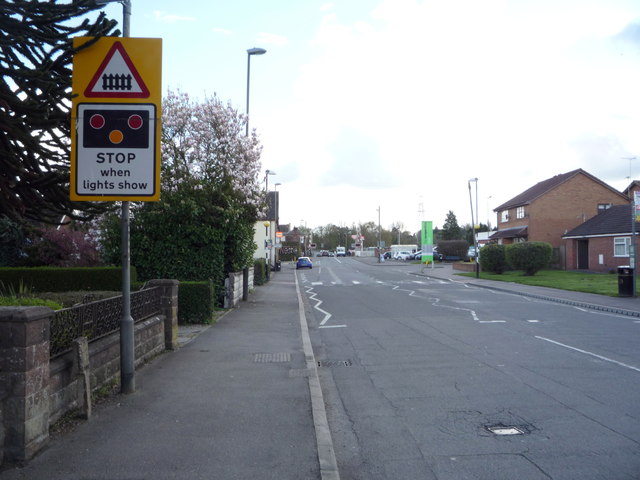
(282, 357)
(335, 363)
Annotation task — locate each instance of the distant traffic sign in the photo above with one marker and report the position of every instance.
(115, 135)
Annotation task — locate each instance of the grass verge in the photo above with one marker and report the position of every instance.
(599, 283)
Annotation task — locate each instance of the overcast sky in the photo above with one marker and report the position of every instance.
(396, 104)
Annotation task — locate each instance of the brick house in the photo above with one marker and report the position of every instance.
(549, 209)
(601, 244)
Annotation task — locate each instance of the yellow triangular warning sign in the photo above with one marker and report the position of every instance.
(117, 77)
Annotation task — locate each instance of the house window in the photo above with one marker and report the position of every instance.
(603, 206)
(504, 216)
(621, 246)
(520, 212)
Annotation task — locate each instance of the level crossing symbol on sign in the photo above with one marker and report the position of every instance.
(117, 77)
(115, 134)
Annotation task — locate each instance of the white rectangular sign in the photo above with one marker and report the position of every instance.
(116, 150)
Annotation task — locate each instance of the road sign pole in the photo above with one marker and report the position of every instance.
(115, 141)
(127, 340)
(127, 348)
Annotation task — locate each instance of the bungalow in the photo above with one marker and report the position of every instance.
(602, 243)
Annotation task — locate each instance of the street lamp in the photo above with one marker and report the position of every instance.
(250, 52)
(379, 231)
(473, 224)
(245, 270)
(276, 215)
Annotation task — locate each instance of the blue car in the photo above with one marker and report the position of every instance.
(304, 262)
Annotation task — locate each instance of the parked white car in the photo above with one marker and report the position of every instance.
(402, 255)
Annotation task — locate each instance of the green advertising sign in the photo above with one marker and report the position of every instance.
(427, 242)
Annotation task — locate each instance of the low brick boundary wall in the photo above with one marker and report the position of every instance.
(464, 267)
(35, 391)
(104, 361)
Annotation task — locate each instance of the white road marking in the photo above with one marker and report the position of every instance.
(312, 296)
(606, 359)
(316, 283)
(533, 321)
(332, 326)
(355, 282)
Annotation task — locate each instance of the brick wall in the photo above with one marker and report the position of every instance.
(35, 391)
(104, 361)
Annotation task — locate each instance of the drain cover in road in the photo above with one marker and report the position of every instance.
(505, 430)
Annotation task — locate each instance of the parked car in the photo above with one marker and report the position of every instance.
(416, 255)
(402, 255)
(304, 262)
(387, 255)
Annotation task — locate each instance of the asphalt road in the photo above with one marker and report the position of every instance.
(430, 379)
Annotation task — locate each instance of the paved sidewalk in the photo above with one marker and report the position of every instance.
(232, 403)
(621, 305)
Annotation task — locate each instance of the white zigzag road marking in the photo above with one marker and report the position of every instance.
(312, 296)
(435, 303)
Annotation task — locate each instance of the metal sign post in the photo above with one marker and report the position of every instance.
(115, 141)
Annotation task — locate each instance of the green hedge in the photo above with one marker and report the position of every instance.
(259, 271)
(493, 259)
(196, 302)
(60, 279)
(530, 257)
(453, 248)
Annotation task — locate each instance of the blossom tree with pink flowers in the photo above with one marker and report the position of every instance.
(203, 225)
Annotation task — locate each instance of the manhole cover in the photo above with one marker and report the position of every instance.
(505, 430)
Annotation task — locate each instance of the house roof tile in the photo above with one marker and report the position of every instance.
(614, 220)
(514, 232)
(539, 189)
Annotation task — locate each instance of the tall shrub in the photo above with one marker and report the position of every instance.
(530, 257)
(453, 248)
(493, 258)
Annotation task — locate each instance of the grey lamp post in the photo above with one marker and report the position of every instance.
(276, 215)
(245, 270)
(250, 52)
